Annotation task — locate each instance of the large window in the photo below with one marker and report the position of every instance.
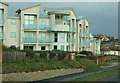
(62, 38)
(55, 47)
(55, 37)
(13, 35)
(28, 34)
(62, 47)
(28, 47)
(29, 19)
(43, 48)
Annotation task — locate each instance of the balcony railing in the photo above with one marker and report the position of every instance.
(87, 35)
(44, 16)
(1, 35)
(72, 29)
(29, 40)
(1, 22)
(72, 41)
(84, 34)
(45, 27)
(45, 40)
(80, 44)
(96, 47)
(30, 26)
(80, 34)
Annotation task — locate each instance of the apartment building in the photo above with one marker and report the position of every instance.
(57, 28)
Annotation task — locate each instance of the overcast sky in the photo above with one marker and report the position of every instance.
(103, 16)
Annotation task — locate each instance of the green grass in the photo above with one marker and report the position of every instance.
(99, 77)
(36, 66)
(90, 66)
(104, 64)
(113, 60)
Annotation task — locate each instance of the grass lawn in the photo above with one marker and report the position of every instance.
(104, 65)
(99, 77)
(113, 60)
(36, 66)
(90, 66)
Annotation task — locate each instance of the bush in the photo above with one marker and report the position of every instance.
(52, 54)
(43, 54)
(89, 53)
(5, 48)
(29, 52)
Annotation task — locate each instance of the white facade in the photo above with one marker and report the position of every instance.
(59, 29)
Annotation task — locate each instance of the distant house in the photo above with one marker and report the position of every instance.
(111, 53)
(105, 39)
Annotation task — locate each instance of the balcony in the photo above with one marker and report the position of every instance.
(1, 35)
(80, 34)
(45, 40)
(1, 22)
(72, 29)
(29, 40)
(84, 34)
(43, 16)
(87, 44)
(87, 35)
(96, 47)
(80, 44)
(45, 27)
(72, 41)
(30, 26)
(64, 28)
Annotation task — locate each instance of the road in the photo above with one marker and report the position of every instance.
(72, 77)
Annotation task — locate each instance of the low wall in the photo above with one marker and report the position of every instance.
(39, 75)
(102, 59)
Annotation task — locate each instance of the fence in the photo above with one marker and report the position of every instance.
(18, 56)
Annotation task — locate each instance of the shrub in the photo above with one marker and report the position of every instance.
(29, 52)
(43, 54)
(5, 48)
(89, 53)
(52, 54)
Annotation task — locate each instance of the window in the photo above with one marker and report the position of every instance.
(67, 48)
(67, 37)
(55, 37)
(62, 47)
(62, 38)
(43, 47)
(28, 34)
(13, 21)
(13, 34)
(28, 47)
(29, 19)
(86, 26)
(43, 35)
(80, 25)
(55, 47)
(57, 17)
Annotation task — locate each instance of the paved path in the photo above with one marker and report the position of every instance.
(72, 77)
